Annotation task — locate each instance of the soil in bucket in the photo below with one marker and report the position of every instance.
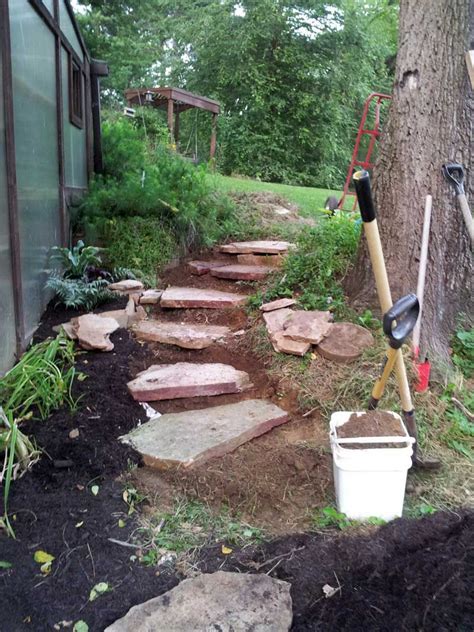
(374, 423)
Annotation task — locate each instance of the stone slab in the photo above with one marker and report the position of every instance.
(282, 344)
(310, 326)
(189, 297)
(203, 267)
(242, 273)
(273, 261)
(127, 286)
(195, 436)
(275, 320)
(278, 304)
(345, 342)
(224, 602)
(256, 247)
(183, 335)
(150, 297)
(186, 379)
(93, 331)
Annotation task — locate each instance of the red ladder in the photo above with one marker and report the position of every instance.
(374, 133)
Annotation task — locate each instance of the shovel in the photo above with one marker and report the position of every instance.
(369, 220)
(398, 324)
(454, 174)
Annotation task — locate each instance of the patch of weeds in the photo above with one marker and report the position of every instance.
(368, 320)
(329, 517)
(463, 351)
(420, 510)
(191, 525)
(132, 497)
(459, 434)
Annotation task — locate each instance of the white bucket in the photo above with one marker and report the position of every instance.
(370, 482)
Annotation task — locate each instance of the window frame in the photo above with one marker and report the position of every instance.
(76, 117)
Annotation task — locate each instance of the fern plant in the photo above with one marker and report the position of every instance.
(79, 294)
(77, 260)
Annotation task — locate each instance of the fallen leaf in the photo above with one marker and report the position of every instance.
(121, 523)
(79, 524)
(74, 433)
(4, 564)
(46, 568)
(95, 489)
(80, 487)
(80, 626)
(99, 589)
(226, 550)
(41, 557)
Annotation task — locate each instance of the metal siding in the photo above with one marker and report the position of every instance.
(75, 155)
(35, 119)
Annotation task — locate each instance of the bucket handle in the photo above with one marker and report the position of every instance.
(397, 439)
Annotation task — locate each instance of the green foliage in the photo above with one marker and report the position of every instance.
(41, 381)
(330, 517)
(79, 294)
(320, 261)
(463, 351)
(460, 433)
(76, 260)
(190, 525)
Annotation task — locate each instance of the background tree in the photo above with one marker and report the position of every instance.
(430, 122)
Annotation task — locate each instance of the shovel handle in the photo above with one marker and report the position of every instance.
(361, 181)
(454, 174)
(400, 320)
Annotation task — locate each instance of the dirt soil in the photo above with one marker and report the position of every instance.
(374, 423)
(408, 575)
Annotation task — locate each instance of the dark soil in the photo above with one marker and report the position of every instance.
(408, 575)
(374, 423)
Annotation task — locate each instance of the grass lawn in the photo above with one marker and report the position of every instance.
(309, 199)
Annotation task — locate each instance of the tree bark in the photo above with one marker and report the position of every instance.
(430, 122)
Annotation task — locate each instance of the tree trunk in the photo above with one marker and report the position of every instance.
(430, 122)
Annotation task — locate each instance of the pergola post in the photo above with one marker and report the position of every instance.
(170, 118)
(212, 152)
(176, 127)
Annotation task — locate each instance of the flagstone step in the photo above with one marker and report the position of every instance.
(256, 247)
(203, 267)
(278, 304)
(242, 273)
(183, 335)
(192, 297)
(183, 439)
(310, 326)
(274, 261)
(275, 321)
(187, 379)
(345, 342)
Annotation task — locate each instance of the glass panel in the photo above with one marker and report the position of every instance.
(67, 28)
(75, 156)
(49, 4)
(7, 314)
(34, 102)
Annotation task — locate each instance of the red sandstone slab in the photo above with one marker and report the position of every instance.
(278, 304)
(186, 379)
(256, 247)
(203, 267)
(189, 297)
(195, 436)
(183, 335)
(242, 273)
(345, 342)
(282, 344)
(273, 261)
(310, 326)
(127, 286)
(275, 320)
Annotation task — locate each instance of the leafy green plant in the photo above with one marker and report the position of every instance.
(330, 517)
(463, 351)
(41, 381)
(79, 294)
(77, 260)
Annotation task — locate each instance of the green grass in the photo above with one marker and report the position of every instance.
(310, 200)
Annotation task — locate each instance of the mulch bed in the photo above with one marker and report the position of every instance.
(409, 575)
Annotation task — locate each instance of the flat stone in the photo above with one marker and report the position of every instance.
(195, 436)
(275, 320)
(228, 602)
(127, 286)
(282, 344)
(311, 326)
(150, 297)
(242, 273)
(93, 331)
(183, 335)
(187, 297)
(273, 261)
(203, 267)
(257, 247)
(345, 342)
(135, 313)
(185, 379)
(67, 328)
(278, 304)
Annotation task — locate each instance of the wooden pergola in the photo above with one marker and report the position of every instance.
(175, 101)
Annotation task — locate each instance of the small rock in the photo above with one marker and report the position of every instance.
(93, 331)
(185, 379)
(120, 315)
(282, 344)
(74, 433)
(150, 297)
(229, 602)
(311, 326)
(127, 286)
(275, 320)
(278, 304)
(135, 313)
